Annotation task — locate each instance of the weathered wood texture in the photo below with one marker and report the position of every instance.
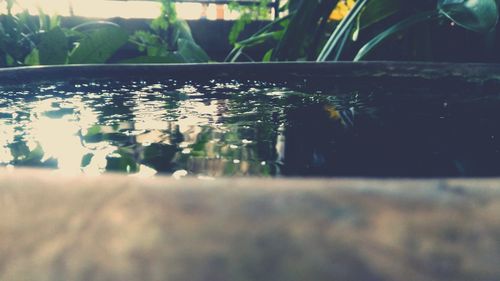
(55, 227)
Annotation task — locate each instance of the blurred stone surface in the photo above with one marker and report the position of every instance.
(55, 227)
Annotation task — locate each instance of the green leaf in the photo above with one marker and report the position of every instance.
(55, 21)
(184, 30)
(259, 39)
(10, 4)
(479, 15)
(86, 159)
(334, 45)
(170, 58)
(73, 34)
(156, 51)
(99, 45)
(355, 33)
(239, 46)
(307, 24)
(124, 163)
(10, 60)
(398, 27)
(191, 52)
(377, 10)
(238, 27)
(159, 23)
(92, 25)
(32, 58)
(267, 56)
(53, 47)
(159, 156)
(43, 20)
(94, 130)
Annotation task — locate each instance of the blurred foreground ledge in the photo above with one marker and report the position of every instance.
(55, 227)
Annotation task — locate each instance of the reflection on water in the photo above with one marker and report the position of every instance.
(235, 128)
(144, 128)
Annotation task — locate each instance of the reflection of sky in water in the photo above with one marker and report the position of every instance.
(219, 129)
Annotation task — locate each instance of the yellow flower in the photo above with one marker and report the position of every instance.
(341, 10)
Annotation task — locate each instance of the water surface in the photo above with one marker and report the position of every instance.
(248, 128)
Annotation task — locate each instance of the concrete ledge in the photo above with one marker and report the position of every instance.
(55, 227)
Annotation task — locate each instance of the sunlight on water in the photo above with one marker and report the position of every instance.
(58, 137)
(6, 137)
(144, 128)
(215, 128)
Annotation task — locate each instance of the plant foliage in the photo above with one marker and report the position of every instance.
(32, 40)
(169, 40)
(309, 33)
(248, 13)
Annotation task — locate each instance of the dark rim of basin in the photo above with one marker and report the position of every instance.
(273, 72)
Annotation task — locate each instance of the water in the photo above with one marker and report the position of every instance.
(247, 128)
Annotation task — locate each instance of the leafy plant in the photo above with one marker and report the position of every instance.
(307, 32)
(295, 36)
(17, 37)
(32, 40)
(72, 46)
(477, 15)
(98, 44)
(248, 13)
(168, 41)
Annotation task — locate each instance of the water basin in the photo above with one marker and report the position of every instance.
(361, 120)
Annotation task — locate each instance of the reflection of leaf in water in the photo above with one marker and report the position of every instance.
(160, 156)
(19, 150)
(59, 113)
(230, 168)
(23, 156)
(96, 129)
(98, 133)
(265, 171)
(232, 135)
(124, 163)
(176, 136)
(87, 158)
(198, 148)
(93, 134)
(116, 137)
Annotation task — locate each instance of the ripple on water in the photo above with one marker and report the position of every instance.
(246, 128)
